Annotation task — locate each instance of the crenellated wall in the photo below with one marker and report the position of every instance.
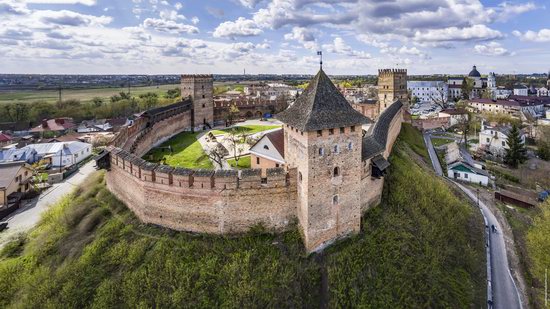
(203, 200)
(223, 201)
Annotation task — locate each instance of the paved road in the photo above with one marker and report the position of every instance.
(505, 292)
(28, 215)
(433, 154)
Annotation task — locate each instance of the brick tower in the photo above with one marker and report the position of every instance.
(322, 140)
(200, 88)
(392, 85)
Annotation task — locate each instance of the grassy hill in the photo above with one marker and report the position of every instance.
(422, 247)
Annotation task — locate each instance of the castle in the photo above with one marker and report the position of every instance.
(335, 164)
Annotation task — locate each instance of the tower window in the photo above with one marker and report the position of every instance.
(321, 152)
(203, 105)
(335, 200)
(300, 176)
(319, 133)
(352, 128)
(336, 149)
(350, 146)
(203, 96)
(336, 172)
(342, 130)
(330, 131)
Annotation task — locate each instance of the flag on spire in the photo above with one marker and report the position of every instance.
(320, 54)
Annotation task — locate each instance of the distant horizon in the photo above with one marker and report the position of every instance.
(357, 37)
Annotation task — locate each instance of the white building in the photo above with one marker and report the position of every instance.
(465, 172)
(455, 85)
(542, 92)
(62, 153)
(429, 91)
(521, 90)
(495, 139)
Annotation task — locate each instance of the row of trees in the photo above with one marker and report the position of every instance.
(119, 105)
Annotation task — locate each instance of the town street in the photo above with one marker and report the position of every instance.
(504, 291)
(31, 211)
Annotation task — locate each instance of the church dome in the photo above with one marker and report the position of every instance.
(474, 72)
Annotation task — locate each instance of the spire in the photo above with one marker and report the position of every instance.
(320, 54)
(321, 106)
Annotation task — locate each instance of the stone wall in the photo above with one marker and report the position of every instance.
(161, 132)
(203, 201)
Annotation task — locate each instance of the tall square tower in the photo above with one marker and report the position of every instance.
(200, 89)
(392, 85)
(323, 139)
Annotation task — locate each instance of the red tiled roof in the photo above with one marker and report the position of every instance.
(277, 139)
(4, 137)
(57, 124)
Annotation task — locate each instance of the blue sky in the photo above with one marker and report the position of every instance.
(279, 36)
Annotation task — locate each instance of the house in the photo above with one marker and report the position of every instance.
(62, 153)
(455, 85)
(268, 152)
(521, 90)
(14, 178)
(429, 91)
(495, 139)
(15, 128)
(5, 139)
(543, 92)
(465, 172)
(515, 106)
(57, 125)
(24, 154)
(457, 115)
(89, 126)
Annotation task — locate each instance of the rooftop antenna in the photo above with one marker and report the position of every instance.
(320, 54)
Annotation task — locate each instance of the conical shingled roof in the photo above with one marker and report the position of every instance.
(321, 106)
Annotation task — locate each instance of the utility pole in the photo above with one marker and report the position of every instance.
(61, 158)
(128, 86)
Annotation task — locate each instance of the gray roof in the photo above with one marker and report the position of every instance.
(474, 72)
(321, 106)
(8, 171)
(375, 142)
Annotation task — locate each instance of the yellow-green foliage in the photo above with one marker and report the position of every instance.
(538, 246)
(421, 248)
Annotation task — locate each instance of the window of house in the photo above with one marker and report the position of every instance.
(342, 130)
(321, 152)
(266, 147)
(330, 131)
(336, 172)
(352, 128)
(277, 164)
(503, 143)
(465, 175)
(257, 160)
(488, 140)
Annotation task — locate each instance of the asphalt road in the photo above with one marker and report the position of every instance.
(505, 293)
(28, 215)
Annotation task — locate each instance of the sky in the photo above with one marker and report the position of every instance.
(278, 36)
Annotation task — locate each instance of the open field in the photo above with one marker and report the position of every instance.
(186, 152)
(248, 129)
(84, 95)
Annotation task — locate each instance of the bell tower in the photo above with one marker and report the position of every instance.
(392, 85)
(200, 89)
(322, 140)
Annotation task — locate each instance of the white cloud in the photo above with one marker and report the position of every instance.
(240, 27)
(169, 26)
(304, 36)
(509, 10)
(339, 46)
(84, 2)
(492, 49)
(473, 33)
(171, 15)
(540, 36)
(70, 18)
(178, 6)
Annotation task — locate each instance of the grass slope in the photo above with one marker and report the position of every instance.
(420, 248)
(186, 152)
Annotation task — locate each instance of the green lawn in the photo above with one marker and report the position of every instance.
(244, 162)
(436, 141)
(249, 129)
(186, 152)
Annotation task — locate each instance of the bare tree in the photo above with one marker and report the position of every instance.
(215, 154)
(236, 139)
(440, 98)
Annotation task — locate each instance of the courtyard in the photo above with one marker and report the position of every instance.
(199, 150)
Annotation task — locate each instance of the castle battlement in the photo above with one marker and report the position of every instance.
(392, 71)
(199, 178)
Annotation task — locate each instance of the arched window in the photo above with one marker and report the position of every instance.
(266, 147)
(336, 172)
(335, 200)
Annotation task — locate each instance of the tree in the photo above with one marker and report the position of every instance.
(17, 111)
(149, 100)
(440, 98)
(216, 154)
(173, 93)
(467, 87)
(97, 101)
(233, 113)
(516, 152)
(236, 138)
(543, 143)
(487, 94)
